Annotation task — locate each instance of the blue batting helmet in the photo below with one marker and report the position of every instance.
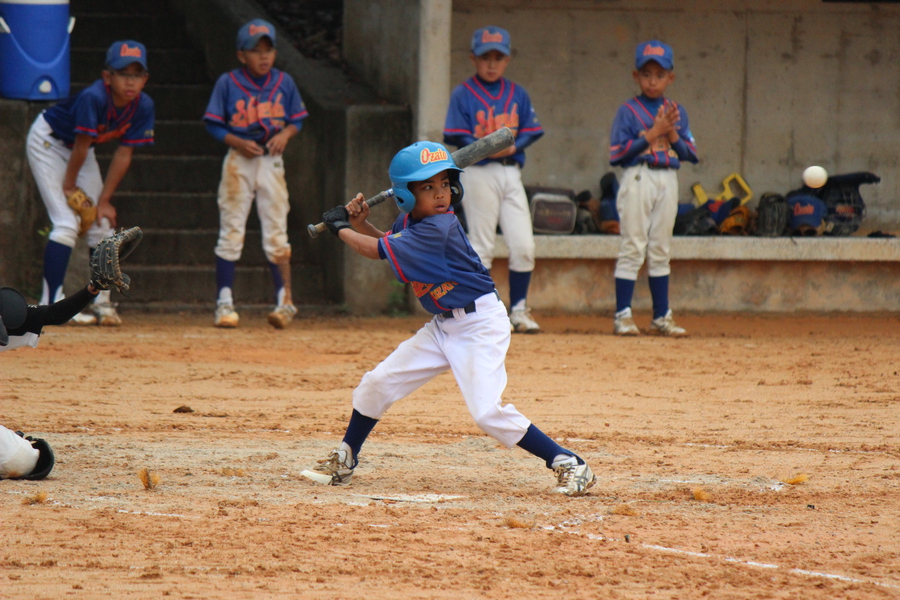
(417, 163)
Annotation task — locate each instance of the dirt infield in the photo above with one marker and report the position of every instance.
(759, 458)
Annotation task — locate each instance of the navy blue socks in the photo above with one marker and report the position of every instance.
(518, 288)
(659, 291)
(624, 293)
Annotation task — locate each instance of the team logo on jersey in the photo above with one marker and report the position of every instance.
(247, 113)
(435, 291)
(427, 157)
(132, 52)
(104, 135)
(488, 122)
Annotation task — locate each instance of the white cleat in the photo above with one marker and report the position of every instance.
(624, 323)
(573, 479)
(522, 322)
(226, 316)
(282, 316)
(83, 318)
(334, 470)
(666, 326)
(107, 316)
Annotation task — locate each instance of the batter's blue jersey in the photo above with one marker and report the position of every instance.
(628, 146)
(435, 256)
(255, 109)
(478, 108)
(92, 112)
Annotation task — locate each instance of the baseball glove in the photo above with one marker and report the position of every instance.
(772, 214)
(106, 270)
(737, 222)
(83, 206)
(45, 461)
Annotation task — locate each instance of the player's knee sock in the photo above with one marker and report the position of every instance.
(56, 262)
(518, 288)
(539, 443)
(224, 279)
(624, 293)
(358, 430)
(278, 280)
(659, 291)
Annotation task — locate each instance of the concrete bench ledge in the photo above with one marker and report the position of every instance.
(722, 248)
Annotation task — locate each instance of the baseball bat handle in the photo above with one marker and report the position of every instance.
(464, 157)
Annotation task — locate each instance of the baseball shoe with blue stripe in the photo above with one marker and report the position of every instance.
(282, 316)
(522, 322)
(666, 326)
(624, 323)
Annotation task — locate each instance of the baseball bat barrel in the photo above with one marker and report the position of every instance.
(464, 157)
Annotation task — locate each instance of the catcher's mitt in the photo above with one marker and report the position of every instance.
(772, 215)
(106, 271)
(84, 207)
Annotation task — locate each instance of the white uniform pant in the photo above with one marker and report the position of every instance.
(493, 194)
(647, 205)
(243, 180)
(474, 347)
(48, 158)
(17, 456)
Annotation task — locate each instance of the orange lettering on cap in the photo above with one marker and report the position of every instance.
(653, 51)
(126, 51)
(487, 37)
(801, 209)
(427, 157)
(254, 29)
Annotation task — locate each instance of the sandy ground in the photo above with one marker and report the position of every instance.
(759, 458)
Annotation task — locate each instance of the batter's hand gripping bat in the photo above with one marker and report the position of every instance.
(464, 157)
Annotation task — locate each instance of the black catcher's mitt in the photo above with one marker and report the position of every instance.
(106, 270)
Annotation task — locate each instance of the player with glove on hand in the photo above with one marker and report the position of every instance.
(21, 326)
(60, 150)
(469, 333)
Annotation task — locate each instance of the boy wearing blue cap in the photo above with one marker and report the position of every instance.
(479, 106)
(60, 150)
(255, 110)
(650, 139)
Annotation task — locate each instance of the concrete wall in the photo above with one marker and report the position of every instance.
(770, 87)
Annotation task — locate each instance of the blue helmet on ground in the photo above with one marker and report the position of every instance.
(417, 163)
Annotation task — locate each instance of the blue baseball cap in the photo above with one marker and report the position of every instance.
(250, 34)
(807, 213)
(121, 54)
(490, 38)
(656, 51)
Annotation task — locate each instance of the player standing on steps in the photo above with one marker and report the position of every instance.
(650, 138)
(481, 105)
(469, 333)
(255, 110)
(60, 151)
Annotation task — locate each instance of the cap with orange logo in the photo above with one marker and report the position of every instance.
(121, 54)
(490, 38)
(250, 34)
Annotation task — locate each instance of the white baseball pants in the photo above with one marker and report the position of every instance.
(647, 205)
(494, 194)
(48, 158)
(243, 180)
(474, 347)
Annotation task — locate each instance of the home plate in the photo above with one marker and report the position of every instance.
(419, 498)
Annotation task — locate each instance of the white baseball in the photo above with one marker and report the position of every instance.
(815, 177)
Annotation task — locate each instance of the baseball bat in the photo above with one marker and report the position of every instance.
(464, 157)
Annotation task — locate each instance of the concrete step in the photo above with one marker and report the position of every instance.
(176, 138)
(155, 31)
(167, 65)
(150, 173)
(182, 247)
(197, 284)
(171, 210)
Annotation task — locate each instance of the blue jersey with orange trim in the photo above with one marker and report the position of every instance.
(255, 109)
(628, 146)
(435, 256)
(478, 108)
(92, 112)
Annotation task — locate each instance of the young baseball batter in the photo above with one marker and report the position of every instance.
(650, 139)
(480, 105)
(469, 333)
(255, 109)
(60, 150)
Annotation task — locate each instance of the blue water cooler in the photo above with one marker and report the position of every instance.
(34, 49)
